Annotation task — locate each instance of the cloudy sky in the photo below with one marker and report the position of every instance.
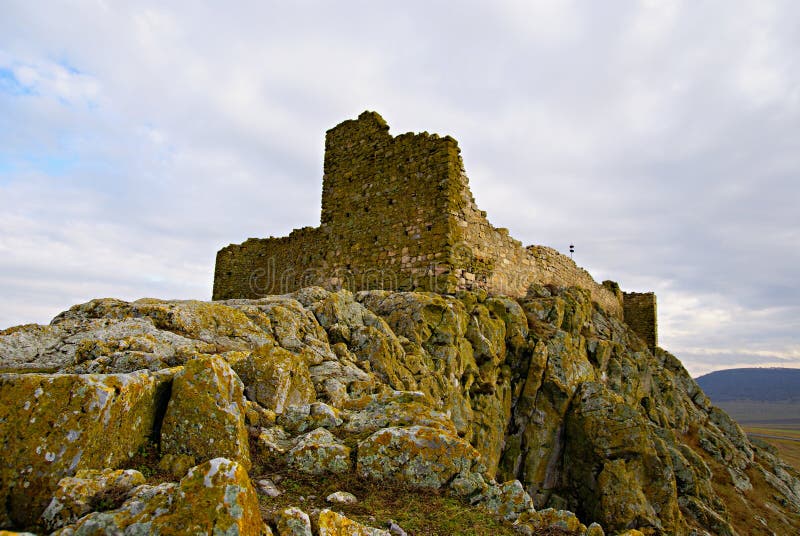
(662, 138)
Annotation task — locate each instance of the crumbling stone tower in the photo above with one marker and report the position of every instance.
(398, 214)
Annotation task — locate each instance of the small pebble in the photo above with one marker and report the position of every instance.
(395, 529)
(341, 497)
(266, 487)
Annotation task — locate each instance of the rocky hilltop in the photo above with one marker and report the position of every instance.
(543, 413)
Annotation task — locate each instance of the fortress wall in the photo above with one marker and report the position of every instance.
(500, 264)
(397, 213)
(383, 201)
(384, 220)
(261, 266)
(641, 316)
(556, 268)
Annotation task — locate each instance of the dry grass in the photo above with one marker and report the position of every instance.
(419, 512)
(745, 507)
(788, 450)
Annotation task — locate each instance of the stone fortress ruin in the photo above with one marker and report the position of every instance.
(398, 214)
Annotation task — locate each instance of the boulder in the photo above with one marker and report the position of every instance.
(87, 491)
(299, 419)
(205, 416)
(94, 345)
(418, 455)
(51, 426)
(341, 497)
(366, 335)
(215, 497)
(332, 524)
(273, 441)
(267, 487)
(222, 327)
(289, 324)
(532, 522)
(468, 484)
(319, 452)
(293, 522)
(371, 413)
(275, 378)
(507, 500)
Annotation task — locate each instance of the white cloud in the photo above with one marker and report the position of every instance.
(548, 23)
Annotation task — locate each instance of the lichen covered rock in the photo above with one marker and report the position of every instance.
(370, 413)
(634, 484)
(319, 452)
(215, 497)
(293, 522)
(507, 500)
(88, 490)
(532, 522)
(51, 426)
(275, 378)
(299, 419)
(333, 524)
(418, 455)
(205, 416)
(455, 391)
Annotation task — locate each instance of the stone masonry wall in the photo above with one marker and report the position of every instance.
(397, 213)
(259, 267)
(497, 262)
(641, 316)
(384, 200)
(384, 220)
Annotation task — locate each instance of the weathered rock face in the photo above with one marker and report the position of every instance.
(52, 425)
(333, 524)
(77, 496)
(319, 452)
(615, 456)
(421, 456)
(548, 394)
(205, 416)
(213, 498)
(275, 378)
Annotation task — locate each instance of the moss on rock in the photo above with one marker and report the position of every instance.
(214, 498)
(52, 425)
(205, 416)
(421, 456)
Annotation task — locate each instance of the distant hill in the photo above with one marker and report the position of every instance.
(757, 384)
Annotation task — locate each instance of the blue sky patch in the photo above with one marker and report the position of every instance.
(9, 83)
(71, 69)
(52, 164)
